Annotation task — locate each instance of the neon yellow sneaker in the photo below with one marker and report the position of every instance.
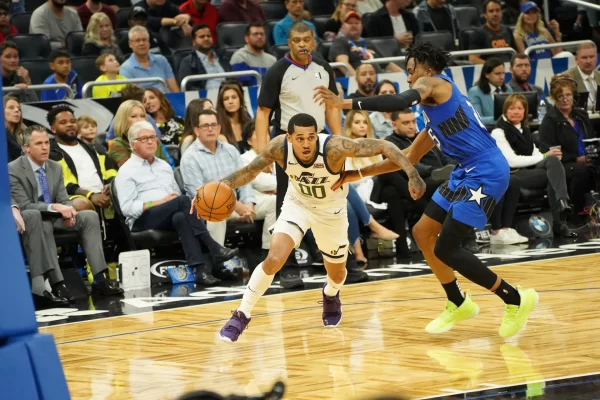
(452, 314)
(515, 317)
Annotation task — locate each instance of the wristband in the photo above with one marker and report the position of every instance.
(150, 204)
(89, 195)
(544, 155)
(360, 174)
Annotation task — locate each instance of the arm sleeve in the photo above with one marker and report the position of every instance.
(387, 103)
(514, 160)
(128, 196)
(191, 173)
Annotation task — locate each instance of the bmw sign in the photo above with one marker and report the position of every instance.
(539, 224)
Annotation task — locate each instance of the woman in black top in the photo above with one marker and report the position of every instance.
(99, 37)
(231, 109)
(170, 125)
(13, 120)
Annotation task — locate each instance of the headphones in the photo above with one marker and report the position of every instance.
(574, 84)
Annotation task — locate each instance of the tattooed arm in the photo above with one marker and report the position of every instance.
(273, 153)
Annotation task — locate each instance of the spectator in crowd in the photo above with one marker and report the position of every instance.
(119, 150)
(492, 35)
(15, 75)
(91, 7)
(37, 183)
(87, 130)
(131, 92)
(295, 14)
(202, 60)
(333, 26)
(163, 13)
(6, 28)
(139, 17)
(60, 63)
(89, 173)
(393, 19)
(109, 67)
(99, 37)
(382, 121)
(491, 82)
(253, 57)
(351, 49)
(367, 6)
(565, 126)
(436, 15)
(240, 11)
(232, 113)
(170, 125)
(210, 160)
(530, 30)
(55, 21)
(366, 79)
(143, 64)
(201, 12)
(150, 199)
(520, 68)
(534, 169)
(17, 6)
(585, 74)
(265, 184)
(192, 113)
(13, 123)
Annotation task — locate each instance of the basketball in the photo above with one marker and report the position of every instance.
(215, 202)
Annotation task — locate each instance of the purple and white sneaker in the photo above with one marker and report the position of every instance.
(234, 328)
(332, 310)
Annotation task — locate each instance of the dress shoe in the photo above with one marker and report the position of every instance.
(107, 287)
(289, 278)
(205, 279)
(353, 273)
(60, 290)
(564, 209)
(222, 273)
(48, 300)
(562, 229)
(225, 254)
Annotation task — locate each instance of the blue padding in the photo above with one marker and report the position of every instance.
(17, 380)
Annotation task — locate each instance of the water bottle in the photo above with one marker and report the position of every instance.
(541, 110)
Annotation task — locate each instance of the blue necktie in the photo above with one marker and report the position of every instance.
(44, 185)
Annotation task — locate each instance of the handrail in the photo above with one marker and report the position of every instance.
(555, 45)
(341, 65)
(86, 88)
(456, 53)
(205, 77)
(585, 4)
(43, 86)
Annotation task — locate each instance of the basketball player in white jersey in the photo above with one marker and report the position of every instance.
(313, 163)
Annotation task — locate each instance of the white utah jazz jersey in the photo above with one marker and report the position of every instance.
(310, 184)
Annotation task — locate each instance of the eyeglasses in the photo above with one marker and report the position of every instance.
(206, 127)
(142, 40)
(146, 139)
(257, 34)
(565, 96)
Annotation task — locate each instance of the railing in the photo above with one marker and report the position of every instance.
(44, 86)
(340, 65)
(88, 86)
(457, 53)
(205, 77)
(574, 43)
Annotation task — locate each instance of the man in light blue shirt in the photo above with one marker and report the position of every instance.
(143, 64)
(209, 160)
(295, 11)
(151, 199)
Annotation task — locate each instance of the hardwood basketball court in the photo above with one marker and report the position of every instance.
(380, 346)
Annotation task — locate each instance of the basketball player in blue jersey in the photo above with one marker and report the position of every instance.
(461, 204)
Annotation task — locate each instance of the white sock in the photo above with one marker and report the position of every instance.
(38, 285)
(257, 286)
(332, 288)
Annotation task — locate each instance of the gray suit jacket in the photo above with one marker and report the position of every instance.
(23, 185)
(516, 88)
(574, 73)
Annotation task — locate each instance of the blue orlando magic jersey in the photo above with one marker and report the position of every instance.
(455, 126)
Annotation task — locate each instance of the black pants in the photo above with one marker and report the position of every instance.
(505, 210)
(581, 180)
(548, 173)
(175, 215)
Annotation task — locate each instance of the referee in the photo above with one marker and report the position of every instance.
(287, 90)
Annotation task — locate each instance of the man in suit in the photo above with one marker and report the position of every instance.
(520, 68)
(37, 183)
(394, 20)
(585, 73)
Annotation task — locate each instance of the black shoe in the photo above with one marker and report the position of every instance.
(562, 229)
(471, 245)
(223, 273)
(564, 209)
(107, 287)
(60, 290)
(289, 278)
(203, 278)
(225, 254)
(354, 274)
(402, 251)
(48, 300)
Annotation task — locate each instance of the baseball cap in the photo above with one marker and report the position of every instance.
(137, 12)
(528, 5)
(352, 14)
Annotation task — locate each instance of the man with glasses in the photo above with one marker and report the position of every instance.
(150, 199)
(253, 57)
(210, 160)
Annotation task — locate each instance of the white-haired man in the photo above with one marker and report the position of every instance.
(150, 199)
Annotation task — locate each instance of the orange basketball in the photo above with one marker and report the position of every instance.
(215, 202)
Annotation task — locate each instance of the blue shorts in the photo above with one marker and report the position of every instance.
(475, 187)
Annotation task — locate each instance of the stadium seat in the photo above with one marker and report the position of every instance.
(85, 68)
(145, 239)
(269, 25)
(386, 46)
(474, 3)
(21, 22)
(175, 39)
(38, 70)
(468, 16)
(122, 17)
(280, 51)
(323, 49)
(101, 138)
(228, 53)
(121, 34)
(31, 46)
(179, 179)
(173, 151)
(443, 39)
(320, 21)
(177, 57)
(31, 5)
(74, 42)
(365, 23)
(231, 34)
(465, 36)
(273, 9)
(320, 7)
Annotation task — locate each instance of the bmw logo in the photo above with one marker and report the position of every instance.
(539, 224)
